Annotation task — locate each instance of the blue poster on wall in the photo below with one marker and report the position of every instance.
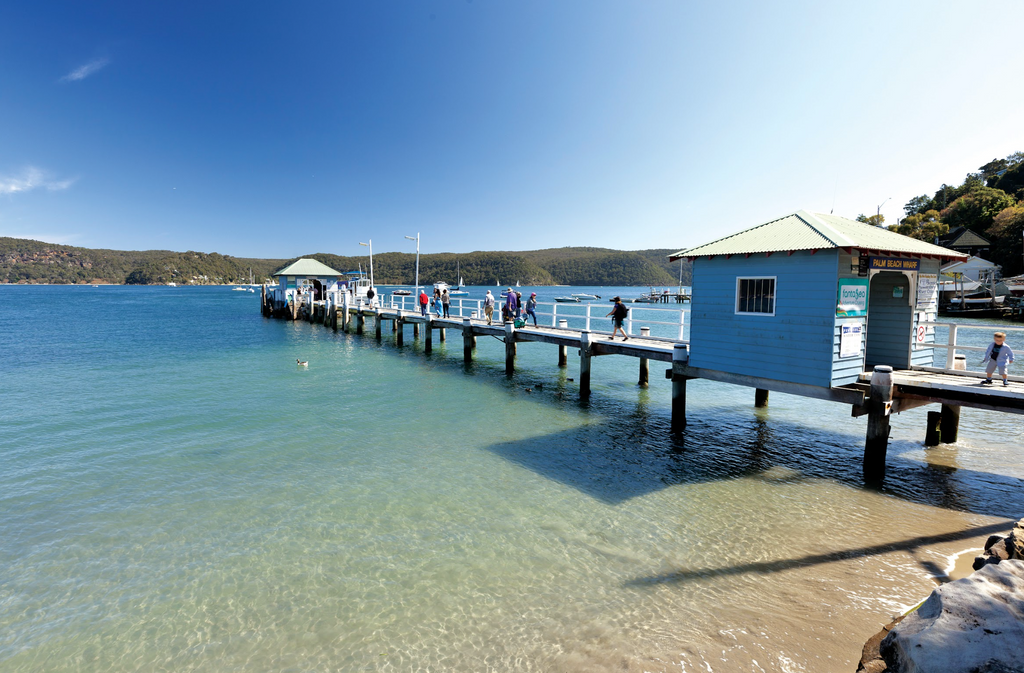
(853, 297)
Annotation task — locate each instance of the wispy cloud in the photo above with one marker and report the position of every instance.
(84, 71)
(32, 178)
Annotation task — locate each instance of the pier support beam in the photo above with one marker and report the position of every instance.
(645, 363)
(877, 441)
(760, 397)
(681, 354)
(510, 349)
(949, 426)
(563, 351)
(585, 365)
(360, 321)
(428, 342)
(440, 334)
(933, 433)
(376, 323)
(344, 314)
(399, 329)
(415, 330)
(467, 340)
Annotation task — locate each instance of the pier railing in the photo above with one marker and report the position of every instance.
(951, 344)
(670, 322)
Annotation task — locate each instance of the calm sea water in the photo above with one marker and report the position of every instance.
(176, 495)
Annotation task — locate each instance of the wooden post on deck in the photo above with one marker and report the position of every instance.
(563, 351)
(344, 313)
(428, 343)
(680, 354)
(760, 397)
(510, 349)
(645, 363)
(585, 364)
(376, 323)
(399, 328)
(877, 441)
(467, 340)
(950, 424)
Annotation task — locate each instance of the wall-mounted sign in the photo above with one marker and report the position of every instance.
(897, 292)
(895, 264)
(927, 292)
(853, 297)
(850, 336)
(862, 265)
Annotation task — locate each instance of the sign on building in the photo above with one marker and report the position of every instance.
(850, 337)
(853, 297)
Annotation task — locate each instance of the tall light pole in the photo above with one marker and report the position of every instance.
(417, 239)
(370, 246)
(878, 212)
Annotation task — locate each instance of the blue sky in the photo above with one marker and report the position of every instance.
(276, 129)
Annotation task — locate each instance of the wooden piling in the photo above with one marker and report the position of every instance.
(467, 340)
(510, 349)
(428, 342)
(344, 313)
(760, 397)
(360, 321)
(563, 351)
(440, 334)
(645, 363)
(933, 432)
(680, 354)
(585, 364)
(415, 330)
(876, 442)
(400, 329)
(376, 323)
(949, 425)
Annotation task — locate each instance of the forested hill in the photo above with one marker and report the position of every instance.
(27, 261)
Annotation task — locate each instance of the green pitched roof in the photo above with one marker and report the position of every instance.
(307, 267)
(814, 231)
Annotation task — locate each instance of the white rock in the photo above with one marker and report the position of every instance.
(973, 625)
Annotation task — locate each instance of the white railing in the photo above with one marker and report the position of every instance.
(951, 344)
(577, 315)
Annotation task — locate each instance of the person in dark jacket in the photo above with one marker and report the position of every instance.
(618, 314)
(531, 307)
(511, 305)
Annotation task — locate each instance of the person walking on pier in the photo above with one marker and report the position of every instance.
(423, 302)
(446, 301)
(618, 314)
(511, 305)
(999, 355)
(489, 306)
(436, 303)
(531, 307)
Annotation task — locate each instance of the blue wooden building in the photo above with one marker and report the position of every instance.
(812, 300)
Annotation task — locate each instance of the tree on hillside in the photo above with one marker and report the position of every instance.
(1012, 181)
(977, 209)
(923, 226)
(874, 220)
(1007, 236)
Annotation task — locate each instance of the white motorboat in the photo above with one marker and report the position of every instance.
(586, 296)
(567, 300)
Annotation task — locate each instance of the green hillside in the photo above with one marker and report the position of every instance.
(26, 261)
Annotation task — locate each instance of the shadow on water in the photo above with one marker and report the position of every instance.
(633, 451)
(764, 567)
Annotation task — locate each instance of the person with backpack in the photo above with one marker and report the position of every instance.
(618, 314)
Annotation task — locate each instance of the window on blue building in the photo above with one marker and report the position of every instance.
(755, 295)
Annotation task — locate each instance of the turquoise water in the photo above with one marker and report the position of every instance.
(177, 495)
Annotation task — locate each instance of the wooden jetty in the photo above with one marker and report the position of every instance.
(810, 304)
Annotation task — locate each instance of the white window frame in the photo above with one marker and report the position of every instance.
(775, 296)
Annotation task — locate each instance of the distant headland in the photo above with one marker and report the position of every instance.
(36, 262)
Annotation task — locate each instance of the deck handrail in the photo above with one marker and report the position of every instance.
(951, 345)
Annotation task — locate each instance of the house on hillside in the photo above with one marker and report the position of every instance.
(964, 240)
(813, 300)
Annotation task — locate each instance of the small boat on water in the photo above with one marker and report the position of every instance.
(172, 284)
(401, 293)
(238, 289)
(567, 300)
(586, 296)
(457, 291)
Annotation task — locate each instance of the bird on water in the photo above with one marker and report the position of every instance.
(302, 363)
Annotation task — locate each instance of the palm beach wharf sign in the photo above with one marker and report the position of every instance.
(895, 264)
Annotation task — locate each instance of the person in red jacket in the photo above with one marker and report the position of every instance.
(424, 299)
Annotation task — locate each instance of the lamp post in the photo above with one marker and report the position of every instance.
(417, 239)
(370, 246)
(878, 212)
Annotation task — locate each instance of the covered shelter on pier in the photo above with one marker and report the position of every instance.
(812, 300)
(308, 276)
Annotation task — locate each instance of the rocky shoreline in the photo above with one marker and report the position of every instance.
(971, 625)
